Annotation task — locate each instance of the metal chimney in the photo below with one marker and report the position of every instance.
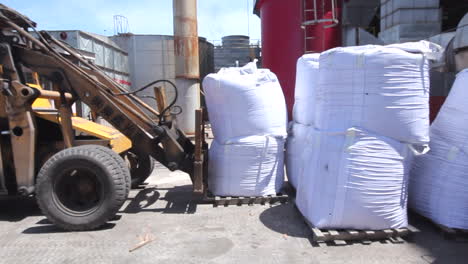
(187, 62)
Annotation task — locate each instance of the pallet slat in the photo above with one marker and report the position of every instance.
(241, 200)
(318, 235)
(396, 240)
(340, 237)
(365, 236)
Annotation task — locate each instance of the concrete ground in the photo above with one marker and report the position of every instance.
(182, 231)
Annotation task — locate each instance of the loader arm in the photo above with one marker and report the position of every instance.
(148, 130)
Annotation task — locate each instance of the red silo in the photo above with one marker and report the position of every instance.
(291, 28)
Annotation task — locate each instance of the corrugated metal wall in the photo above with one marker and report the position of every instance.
(151, 57)
(409, 20)
(107, 55)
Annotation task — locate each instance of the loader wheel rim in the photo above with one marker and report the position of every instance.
(79, 192)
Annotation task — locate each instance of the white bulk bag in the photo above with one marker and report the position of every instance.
(244, 102)
(381, 89)
(304, 92)
(355, 180)
(439, 180)
(248, 166)
(432, 50)
(439, 183)
(451, 122)
(295, 146)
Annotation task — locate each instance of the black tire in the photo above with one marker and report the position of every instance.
(141, 167)
(81, 188)
(123, 164)
(46, 155)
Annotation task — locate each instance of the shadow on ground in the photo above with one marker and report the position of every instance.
(49, 228)
(441, 249)
(14, 209)
(285, 219)
(176, 200)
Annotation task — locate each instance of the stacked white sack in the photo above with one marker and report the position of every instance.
(304, 91)
(439, 180)
(244, 102)
(248, 116)
(355, 180)
(303, 114)
(451, 123)
(294, 149)
(248, 166)
(384, 89)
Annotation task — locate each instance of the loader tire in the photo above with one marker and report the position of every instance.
(81, 188)
(141, 167)
(123, 164)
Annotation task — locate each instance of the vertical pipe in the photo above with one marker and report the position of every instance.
(187, 62)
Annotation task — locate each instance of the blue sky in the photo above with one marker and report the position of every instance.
(216, 18)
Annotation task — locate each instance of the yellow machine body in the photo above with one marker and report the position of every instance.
(118, 142)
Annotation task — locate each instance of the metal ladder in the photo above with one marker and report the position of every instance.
(310, 17)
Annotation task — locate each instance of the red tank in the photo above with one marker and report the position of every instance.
(284, 38)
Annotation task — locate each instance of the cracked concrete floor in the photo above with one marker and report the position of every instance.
(182, 231)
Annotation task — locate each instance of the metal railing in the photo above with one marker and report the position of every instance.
(316, 20)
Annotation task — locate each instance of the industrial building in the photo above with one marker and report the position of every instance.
(292, 28)
(236, 51)
(135, 60)
(151, 57)
(357, 173)
(104, 52)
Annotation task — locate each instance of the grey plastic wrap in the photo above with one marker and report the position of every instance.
(354, 180)
(384, 89)
(247, 166)
(439, 180)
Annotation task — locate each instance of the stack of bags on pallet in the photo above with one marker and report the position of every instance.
(439, 180)
(371, 113)
(247, 111)
(303, 115)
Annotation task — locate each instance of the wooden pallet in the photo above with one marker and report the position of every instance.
(340, 237)
(241, 200)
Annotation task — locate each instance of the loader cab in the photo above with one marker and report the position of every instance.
(48, 135)
(79, 187)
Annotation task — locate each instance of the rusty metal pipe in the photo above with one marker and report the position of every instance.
(186, 39)
(187, 61)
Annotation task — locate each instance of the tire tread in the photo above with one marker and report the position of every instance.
(111, 162)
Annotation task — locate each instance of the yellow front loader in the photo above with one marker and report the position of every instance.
(87, 132)
(75, 167)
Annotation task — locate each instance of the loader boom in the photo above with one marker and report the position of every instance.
(74, 77)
